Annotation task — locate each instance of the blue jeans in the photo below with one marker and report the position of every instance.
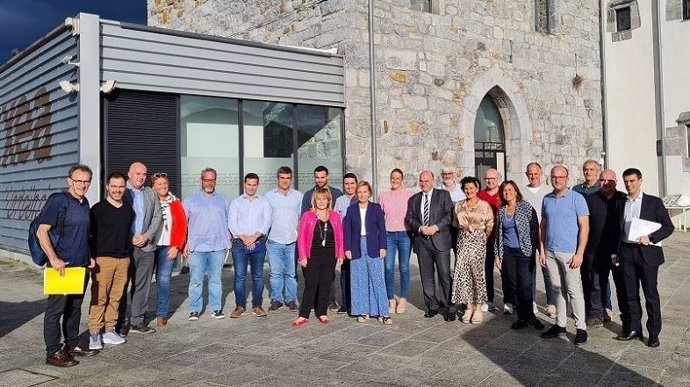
(256, 262)
(210, 264)
(164, 269)
(398, 241)
(281, 258)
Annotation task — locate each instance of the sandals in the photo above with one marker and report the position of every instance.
(477, 317)
(386, 320)
(362, 319)
(324, 320)
(402, 303)
(300, 322)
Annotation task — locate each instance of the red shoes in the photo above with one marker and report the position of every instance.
(300, 322)
(324, 320)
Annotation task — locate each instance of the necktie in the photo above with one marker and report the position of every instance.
(425, 213)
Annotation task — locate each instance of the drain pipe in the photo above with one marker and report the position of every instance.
(372, 99)
(659, 94)
(602, 66)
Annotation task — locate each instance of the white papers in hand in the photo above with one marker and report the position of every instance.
(640, 227)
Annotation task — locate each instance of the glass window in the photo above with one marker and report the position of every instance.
(268, 141)
(623, 19)
(686, 9)
(209, 138)
(318, 143)
(542, 15)
(421, 5)
(489, 142)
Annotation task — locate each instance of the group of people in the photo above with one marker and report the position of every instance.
(578, 236)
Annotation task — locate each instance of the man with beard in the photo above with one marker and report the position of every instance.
(605, 212)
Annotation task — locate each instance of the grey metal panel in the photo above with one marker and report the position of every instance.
(38, 132)
(143, 59)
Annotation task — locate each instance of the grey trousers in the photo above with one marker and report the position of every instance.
(568, 284)
(133, 307)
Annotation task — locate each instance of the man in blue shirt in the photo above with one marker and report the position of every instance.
(250, 219)
(207, 243)
(72, 250)
(285, 203)
(564, 232)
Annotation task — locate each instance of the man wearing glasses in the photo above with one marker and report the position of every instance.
(147, 220)
(564, 232)
(490, 194)
(72, 250)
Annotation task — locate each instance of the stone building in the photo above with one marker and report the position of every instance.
(463, 83)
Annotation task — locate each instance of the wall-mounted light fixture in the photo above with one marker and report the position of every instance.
(69, 87)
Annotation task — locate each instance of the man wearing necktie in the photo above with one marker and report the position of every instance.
(429, 216)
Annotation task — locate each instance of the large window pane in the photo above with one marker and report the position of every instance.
(209, 138)
(267, 140)
(319, 143)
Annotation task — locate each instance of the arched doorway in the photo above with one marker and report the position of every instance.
(489, 139)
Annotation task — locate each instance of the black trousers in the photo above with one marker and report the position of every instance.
(346, 292)
(433, 261)
(318, 276)
(621, 296)
(518, 271)
(67, 308)
(595, 282)
(636, 272)
(489, 271)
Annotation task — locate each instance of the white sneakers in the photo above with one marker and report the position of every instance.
(488, 306)
(95, 342)
(507, 308)
(112, 338)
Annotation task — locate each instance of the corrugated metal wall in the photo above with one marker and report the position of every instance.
(142, 58)
(38, 133)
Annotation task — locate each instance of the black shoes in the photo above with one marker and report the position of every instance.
(536, 324)
(553, 332)
(342, 310)
(519, 324)
(62, 359)
(450, 316)
(431, 313)
(632, 335)
(580, 337)
(142, 328)
(653, 341)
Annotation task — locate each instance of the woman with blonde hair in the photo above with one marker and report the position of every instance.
(319, 247)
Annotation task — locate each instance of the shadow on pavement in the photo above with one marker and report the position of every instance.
(15, 314)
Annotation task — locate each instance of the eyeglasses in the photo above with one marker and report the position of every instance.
(85, 182)
(606, 181)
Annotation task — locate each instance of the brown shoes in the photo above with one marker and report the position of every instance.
(161, 321)
(61, 359)
(259, 312)
(237, 313)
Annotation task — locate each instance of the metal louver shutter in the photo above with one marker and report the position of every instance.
(142, 126)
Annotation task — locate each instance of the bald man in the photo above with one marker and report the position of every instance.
(490, 194)
(429, 217)
(606, 208)
(147, 221)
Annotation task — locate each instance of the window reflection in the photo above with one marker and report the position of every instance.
(319, 143)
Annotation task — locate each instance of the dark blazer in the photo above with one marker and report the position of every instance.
(440, 215)
(374, 224)
(653, 210)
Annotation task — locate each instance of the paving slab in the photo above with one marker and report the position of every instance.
(414, 351)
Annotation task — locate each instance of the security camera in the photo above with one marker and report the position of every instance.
(107, 86)
(68, 87)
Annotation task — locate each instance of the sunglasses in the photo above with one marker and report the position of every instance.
(159, 175)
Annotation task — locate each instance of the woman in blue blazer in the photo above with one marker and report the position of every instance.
(365, 244)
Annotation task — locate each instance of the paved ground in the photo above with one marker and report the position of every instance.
(414, 351)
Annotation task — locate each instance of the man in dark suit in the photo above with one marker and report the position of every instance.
(640, 258)
(429, 216)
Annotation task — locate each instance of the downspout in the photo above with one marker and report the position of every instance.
(659, 93)
(372, 98)
(602, 62)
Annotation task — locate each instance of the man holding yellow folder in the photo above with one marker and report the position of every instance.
(72, 250)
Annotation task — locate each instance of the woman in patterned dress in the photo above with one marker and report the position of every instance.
(474, 219)
(517, 238)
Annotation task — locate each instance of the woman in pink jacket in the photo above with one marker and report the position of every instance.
(319, 245)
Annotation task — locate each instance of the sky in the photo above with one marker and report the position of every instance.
(22, 22)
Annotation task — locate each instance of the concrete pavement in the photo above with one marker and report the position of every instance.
(414, 351)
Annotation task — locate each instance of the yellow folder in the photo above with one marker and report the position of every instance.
(71, 283)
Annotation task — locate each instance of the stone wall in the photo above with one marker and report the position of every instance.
(432, 71)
